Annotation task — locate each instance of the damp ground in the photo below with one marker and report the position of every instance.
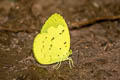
(96, 49)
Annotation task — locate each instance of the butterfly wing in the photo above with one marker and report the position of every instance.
(39, 47)
(60, 44)
(53, 43)
(54, 21)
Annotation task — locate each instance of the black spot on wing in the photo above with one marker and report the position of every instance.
(41, 50)
(52, 38)
(43, 46)
(55, 19)
(65, 42)
(50, 46)
(46, 37)
(61, 32)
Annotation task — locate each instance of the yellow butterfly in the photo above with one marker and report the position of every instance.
(52, 44)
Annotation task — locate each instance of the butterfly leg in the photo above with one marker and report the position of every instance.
(57, 66)
(71, 63)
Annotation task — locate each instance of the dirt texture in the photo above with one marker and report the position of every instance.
(96, 47)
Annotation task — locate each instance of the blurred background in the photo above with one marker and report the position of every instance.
(96, 48)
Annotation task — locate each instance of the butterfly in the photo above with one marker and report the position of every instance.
(52, 44)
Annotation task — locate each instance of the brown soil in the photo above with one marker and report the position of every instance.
(96, 49)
